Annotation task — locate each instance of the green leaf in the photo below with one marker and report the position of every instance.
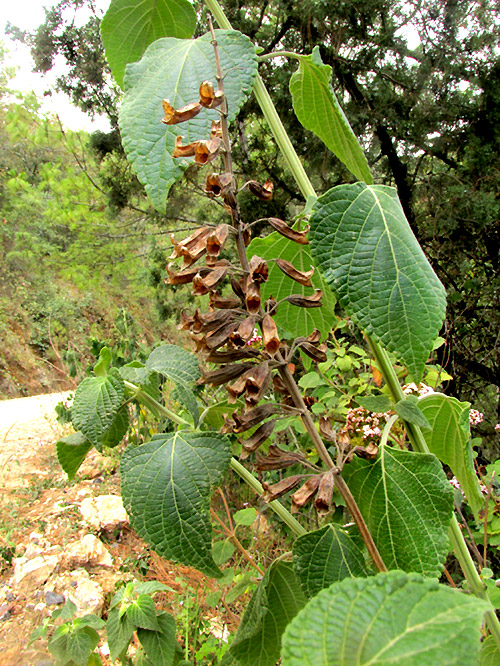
(187, 399)
(102, 366)
(318, 110)
(407, 503)
(81, 644)
(173, 69)
(490, 654)
(160, 646)
(166, 486)
(135, 372)
(222, 551)
(150, 587)
(119, 631)
(129, 27)
(58, 644)
(449, 440)
(245, 516)
(118, 429)
(175, 363)
(294, 320)
(409, 410)
(326, 556)
(94, 660)
(365, 249)
(276, 601)
(391, 618)
(71, 452)
(96, 403)
(376, 403)
(142, 613)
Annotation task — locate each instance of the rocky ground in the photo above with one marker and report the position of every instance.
(61, 540)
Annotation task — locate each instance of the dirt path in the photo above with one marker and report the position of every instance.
(27, 426)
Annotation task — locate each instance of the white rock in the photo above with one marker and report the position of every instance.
(32, 551)
(87, 595)
(90, 550)
(31, 574)
(105, 512)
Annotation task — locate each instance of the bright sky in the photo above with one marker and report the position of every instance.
(28, 15)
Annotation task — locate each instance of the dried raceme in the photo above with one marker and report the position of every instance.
(277, 490)
(299, 276)
(324, 497)
(292, 234)
(263, 192)
(305, 492)
(259, 436)
(191, 248)
(313, 301)
(270, 336)
(176, 116)
(278, 459)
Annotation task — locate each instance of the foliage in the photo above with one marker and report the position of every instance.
(393, 488)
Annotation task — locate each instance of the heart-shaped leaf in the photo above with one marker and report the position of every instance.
(71, 452)
(407, 503)
(166, 487)
(129, 27)
(363, 245)
(95, 406)
(175, 363)
(391, 618)
(173, 69)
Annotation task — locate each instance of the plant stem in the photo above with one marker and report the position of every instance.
(154, 405)
(279, 54)
(275, 505)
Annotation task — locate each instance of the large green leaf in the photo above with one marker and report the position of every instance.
(318, 110)
(175, 363)
(118, 429)
(365, 249)
(129, 27)
(449, 440)
(274, 604)
(392, 618)
(166, 486)
(407, 503)
(95, 406)
(119, 631)
(326, 556)
(173, 69)
(160, 646)
(142, 613)
(294, 320)
(71, 452)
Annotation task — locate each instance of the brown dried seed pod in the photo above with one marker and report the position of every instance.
(254, 416)
(244, 332)
(199, 288)
(270, 336)
(206, 151)
(289, 269)
(367, 452)
(292, 234)
(278, 459)
(186, 276)
(238, 289)
(259, 270)
(183, 151)
(260, 435)
(212, 320)
(232, 355)
(305, 492)
(214, 278)
(218, 184)
(279, 385)
(317, 354)
(326, 429)
(276, 490)
(313, 301)
(175, 116)
(324, 497)
(257, 383)
(225, 374)
(208, 97)
(217, 301)
(216, 240)
(252, 296)
(314, 337)
(216, 129)
(263, 192)
(219, 336)
(186, 322)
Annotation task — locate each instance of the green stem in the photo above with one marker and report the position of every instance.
(276, 506)
(414, 433)
(154, 405)
(279, 54)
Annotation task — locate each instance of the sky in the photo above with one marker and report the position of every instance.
(28, 15)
